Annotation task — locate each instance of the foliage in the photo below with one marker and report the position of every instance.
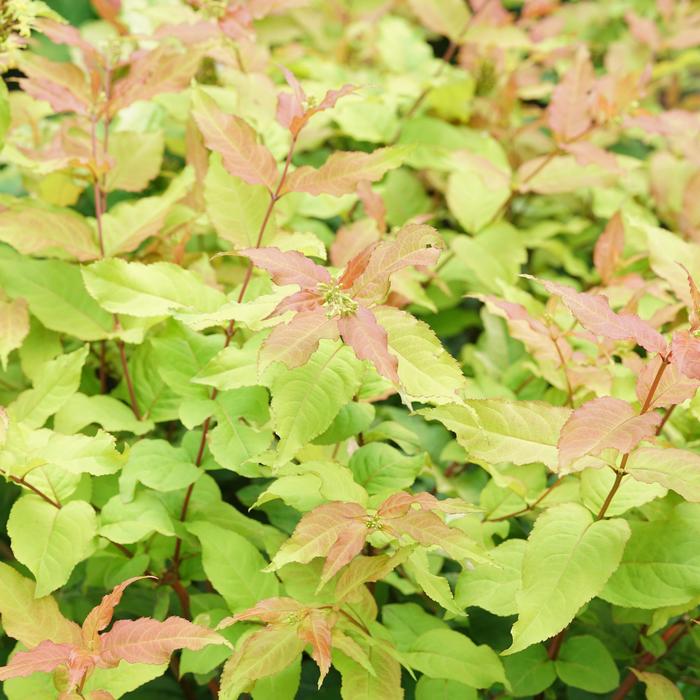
(361, 337)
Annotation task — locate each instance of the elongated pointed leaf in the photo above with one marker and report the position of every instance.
(568, 113)
(45, 657)
(568, 559)
(288, 267)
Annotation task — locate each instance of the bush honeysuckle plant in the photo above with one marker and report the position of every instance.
(350, 349)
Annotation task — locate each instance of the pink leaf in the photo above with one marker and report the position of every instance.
(294, 342)
(373, 204)
(236, 141)
(63, 85)
(587, 153)
(593, 312)
(608, 248)
(349, 543)
(601, 424)
(101, 615)
(357, 265)
(414, 245)
(149, 641)
(644, 30)
(305, 300)
(568, 113)
(342, 172)
(352, 239)
(288, 267)
(672, 389)
(45, 657)
(685, 354)
(694, 311)
(290, 106)
(369, 341)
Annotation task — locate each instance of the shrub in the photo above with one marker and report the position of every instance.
(363, 330)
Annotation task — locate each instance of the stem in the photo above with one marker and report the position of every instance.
(527, 509)
(664, 420)
(103, 367)
(230, 332)
(671, 637)
(127, 378)
(20, 480)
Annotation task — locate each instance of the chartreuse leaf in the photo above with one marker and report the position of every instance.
(658, 687)
(529, 671)
(359, 684)
(148, 290)
(353, 418)
(441, 689)
(158, 465)
(54, 384)
(306, 399)
(137, 157)
(14, 327)
(493, 586)
(130, 522)
(558, 572)
(28, 618)
(283, 685)
(427, 371)
(50, 541)
(661, 563)
(678, 470)
(234, 566)
(595, 485)
(56, 295)
(113, 415)
(407, 621)
(453, 656)
(4, 112)
(496, 430)
(436, 587)
(236, 208)
(585, 663)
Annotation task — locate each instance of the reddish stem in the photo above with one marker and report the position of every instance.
(127, 379)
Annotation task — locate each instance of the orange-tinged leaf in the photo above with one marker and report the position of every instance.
(45, 657)
(685, 354)
(608, 248)
(101, 615)
(568, 112)
(316, 630)
(348, 544)
(368, 339)
(373, 204)
(318, 531)
(294, 342)
(288, 267)
(593, 312)
(587, 153)
(694, 310)
(14, 327)
(236, 141)
(600, 424)
(673, 387)
(149, 641)
(415, 244)
(269, 611)
(344, 170)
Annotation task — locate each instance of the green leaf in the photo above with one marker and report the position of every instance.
(234, 566)
(381, 468)
(584, 662)
(493, 587)
(440, 689)
(352, 419)
(450, 655)
(496, 430)
(280, 686)
(56, 295)
(126, 523)
(530, 671)
(306, 399)
(235, 443)
(661, 563)
(408, 621)
(137, 158)
(81, 410)
(674, 469)
(428, 373)
(4, 112)
(235, 208)
(232, 367)
(157, 465)
(595, 485)
(568, 559)
(50, 541)
(54, 384)
(145, 291)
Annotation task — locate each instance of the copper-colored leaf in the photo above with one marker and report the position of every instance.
(45, 657)
(288, 267)
(685, 354)
(608, 248)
